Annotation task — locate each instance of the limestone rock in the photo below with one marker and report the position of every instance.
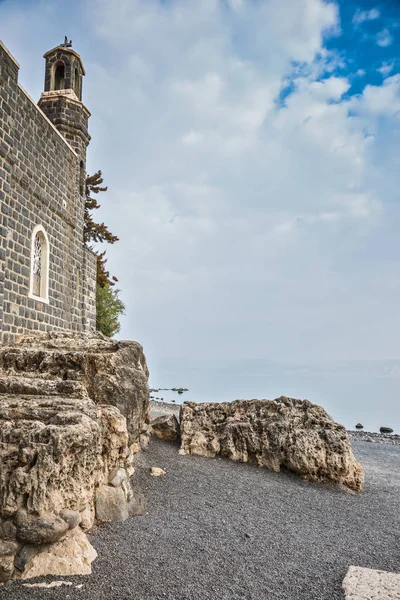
(157, 472)
(8, 531)
(51, 449)
(285, 432)
(108, 371)
(7, 554)
(87, 518)
(71, 517)
(60, 446)
(166, 427)
(111, 504)
(137, 505)
(117, 477)
(72, 556)
(45, 529)
(368, 584)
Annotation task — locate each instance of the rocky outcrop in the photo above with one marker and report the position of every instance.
(108, 371)
(285, 432)
(166, 427)
(66, 458)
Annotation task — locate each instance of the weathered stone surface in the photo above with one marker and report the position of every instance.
(137, 505)
(71, 517)
(50, 450)
(7, 554)
(285, 432)
(367, 584)
(45, 529)
(108, 371)
(8, 548)
(59, 447)
(111, 504)
(8, 531)
(157, 472)
(71, 556)
(117, 477)
(166, 427)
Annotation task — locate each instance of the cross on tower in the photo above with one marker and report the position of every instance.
(67, 44)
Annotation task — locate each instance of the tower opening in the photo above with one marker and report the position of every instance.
(81, 178)
(59, 77)
(76, 83)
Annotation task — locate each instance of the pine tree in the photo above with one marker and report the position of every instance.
(108, 304)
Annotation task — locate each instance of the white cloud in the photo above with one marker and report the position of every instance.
(360, 16)
(384, 38)
(386, 68)
(247, 227)
(383, 100)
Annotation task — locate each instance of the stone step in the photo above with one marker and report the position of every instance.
(40, 387)
(54, 362)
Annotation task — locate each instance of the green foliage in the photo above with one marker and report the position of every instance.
(109, 307)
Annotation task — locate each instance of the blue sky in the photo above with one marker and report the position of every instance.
(251, 148)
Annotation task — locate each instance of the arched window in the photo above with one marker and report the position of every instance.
(59, 77)
(76, 83)
(39, 285)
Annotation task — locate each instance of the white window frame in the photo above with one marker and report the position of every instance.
(44, 297)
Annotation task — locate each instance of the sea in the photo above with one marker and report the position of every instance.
(366, 392)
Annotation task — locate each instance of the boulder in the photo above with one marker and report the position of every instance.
(61, 444)
(81, 364)
(166, 427)
(111, 504)
(71, 517)
(386, 430)
(285, 432)
(72, 556)
(44, 529)
(157, 472)
(359, 426)
(8, 551)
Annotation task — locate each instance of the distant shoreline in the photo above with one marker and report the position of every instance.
(158, 407)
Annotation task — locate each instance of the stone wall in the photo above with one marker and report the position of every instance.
(39, 185)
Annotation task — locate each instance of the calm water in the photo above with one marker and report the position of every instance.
(351, 392)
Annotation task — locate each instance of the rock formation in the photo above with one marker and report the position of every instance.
(108, 371)
(166, 427)
(65, 451)
(285, 432)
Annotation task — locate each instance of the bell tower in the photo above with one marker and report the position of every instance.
(62, 103)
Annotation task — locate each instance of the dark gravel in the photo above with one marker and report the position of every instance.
(221, 530)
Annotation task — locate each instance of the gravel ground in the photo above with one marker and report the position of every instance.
(375, 438)
(220, 530)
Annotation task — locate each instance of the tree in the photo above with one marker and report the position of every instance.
(109, 306)
(97, 232)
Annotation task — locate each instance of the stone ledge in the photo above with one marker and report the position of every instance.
(367, 584)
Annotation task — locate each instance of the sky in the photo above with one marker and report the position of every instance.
(251, 150)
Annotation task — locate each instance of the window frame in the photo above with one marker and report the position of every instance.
(44, 279)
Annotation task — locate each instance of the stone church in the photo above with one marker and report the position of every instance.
(47, 274)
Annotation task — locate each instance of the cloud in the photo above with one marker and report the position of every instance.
(384, 38)
(386, 68)
(360, 16)
(249, 225)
